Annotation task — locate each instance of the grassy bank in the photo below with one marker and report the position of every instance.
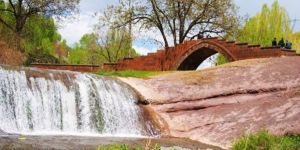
(263, 140)
(132, 73)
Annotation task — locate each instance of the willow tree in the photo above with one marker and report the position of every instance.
(178, 19)
(21, 10)
(115, 45)
(267, 24)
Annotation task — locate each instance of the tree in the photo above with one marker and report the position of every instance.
(115, 45)
(21, 10)
(87, 51)
(179, 19)
(41, 40)
(90, 43)
(269, 23)
(96, 49)
(40, 35)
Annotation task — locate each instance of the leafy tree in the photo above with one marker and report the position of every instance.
(40, 35)
(177, 18)
(16, 13)
(41, 40)
(269, 23)
(77, 55)
(86, 51)
(89, 42)
(116, 45)
(96, 49)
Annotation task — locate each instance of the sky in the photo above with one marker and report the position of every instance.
(73, 29)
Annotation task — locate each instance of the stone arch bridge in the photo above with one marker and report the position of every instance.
(186, 56)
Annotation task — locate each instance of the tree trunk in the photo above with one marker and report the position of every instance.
(18, 40)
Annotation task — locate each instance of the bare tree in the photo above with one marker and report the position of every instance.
(21, 10)
(180, 19)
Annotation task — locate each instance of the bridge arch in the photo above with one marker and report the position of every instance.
(197, 54)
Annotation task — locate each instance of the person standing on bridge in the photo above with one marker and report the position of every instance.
(288, 45)
(274, 42)
(200, 36)
(281, 43)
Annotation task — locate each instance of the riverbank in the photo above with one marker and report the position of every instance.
(216, 106)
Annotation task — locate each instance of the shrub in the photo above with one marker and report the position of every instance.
(263, 140)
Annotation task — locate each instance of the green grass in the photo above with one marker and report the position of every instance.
(132, 73)
(125, 147)
(263, 140)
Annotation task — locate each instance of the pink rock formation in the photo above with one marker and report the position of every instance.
(218, 105)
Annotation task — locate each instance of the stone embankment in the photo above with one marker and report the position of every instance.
(218, 105)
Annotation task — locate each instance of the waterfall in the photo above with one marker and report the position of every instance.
(33, 101)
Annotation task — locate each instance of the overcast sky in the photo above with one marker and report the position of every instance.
(74, 29)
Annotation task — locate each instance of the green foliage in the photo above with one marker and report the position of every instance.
(15, 15)
(77, 55)
(87, 51)
(116, 44)
(131, 73)
(221, 59)
(39, 38)
(269, 23)
(36, 34)
(263, 140)
(40, 35)
(125, 147)
(96, 49)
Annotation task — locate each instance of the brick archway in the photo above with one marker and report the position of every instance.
(199, 53)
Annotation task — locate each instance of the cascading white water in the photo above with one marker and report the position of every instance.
(60, 102)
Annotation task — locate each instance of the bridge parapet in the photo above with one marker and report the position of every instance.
(190, 52)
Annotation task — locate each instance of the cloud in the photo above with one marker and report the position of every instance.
(143, 50)
(73, 30)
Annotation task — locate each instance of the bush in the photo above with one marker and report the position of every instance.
(263, 140)
(221, 59)
(41, 58)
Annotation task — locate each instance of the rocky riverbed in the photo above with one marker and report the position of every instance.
(218, 105)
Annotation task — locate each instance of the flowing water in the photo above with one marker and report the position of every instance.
(39, 102)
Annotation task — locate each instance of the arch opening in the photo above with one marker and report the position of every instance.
(195, 59)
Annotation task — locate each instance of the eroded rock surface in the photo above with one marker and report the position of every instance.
(218, 105)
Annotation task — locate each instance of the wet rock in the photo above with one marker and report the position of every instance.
(218, 105)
